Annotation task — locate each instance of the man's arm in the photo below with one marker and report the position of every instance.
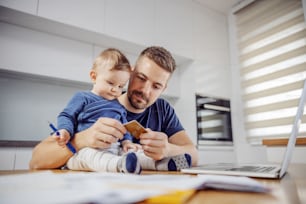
(49, 155)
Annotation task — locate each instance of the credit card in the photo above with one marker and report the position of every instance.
(135, 128)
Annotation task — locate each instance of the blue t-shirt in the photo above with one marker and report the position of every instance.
(160, 116)
(85, 108)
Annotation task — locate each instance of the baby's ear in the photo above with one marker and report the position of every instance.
(93, 75)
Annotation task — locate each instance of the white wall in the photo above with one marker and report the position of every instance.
(186, 28)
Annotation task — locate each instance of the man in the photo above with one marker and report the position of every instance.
(165, 135)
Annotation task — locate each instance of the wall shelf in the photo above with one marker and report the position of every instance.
(44, 79)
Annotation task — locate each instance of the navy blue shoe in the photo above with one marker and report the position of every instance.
(129, 163)
(179, 162)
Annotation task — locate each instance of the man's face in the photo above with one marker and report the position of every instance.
(147, 82)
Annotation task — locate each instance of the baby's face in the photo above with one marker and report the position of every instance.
(110, 83)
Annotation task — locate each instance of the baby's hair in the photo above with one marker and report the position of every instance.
(113, 58)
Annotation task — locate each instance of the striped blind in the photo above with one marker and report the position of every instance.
(271, 38)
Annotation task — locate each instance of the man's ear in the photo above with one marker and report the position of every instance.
(93, 76)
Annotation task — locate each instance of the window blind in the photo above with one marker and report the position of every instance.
(271, 38)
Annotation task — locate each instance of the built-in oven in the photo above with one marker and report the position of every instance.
(214, 126)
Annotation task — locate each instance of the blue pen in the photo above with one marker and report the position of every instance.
(69, 145)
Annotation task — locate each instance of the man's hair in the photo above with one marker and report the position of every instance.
(114, 58)
(161, 57)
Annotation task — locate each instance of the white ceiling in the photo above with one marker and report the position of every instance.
(223, 6)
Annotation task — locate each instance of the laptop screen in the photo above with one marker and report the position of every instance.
(294, 133)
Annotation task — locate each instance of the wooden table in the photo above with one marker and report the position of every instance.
(291, 189)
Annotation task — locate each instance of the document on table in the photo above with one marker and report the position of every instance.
(93, 187)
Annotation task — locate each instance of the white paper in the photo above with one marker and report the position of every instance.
(85, 187)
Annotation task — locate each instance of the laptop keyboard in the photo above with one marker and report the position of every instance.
(262, 169)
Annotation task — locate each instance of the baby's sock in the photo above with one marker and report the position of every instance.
(174, 163)
(146, 162)
(129, 163)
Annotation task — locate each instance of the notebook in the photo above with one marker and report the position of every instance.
(258, 170)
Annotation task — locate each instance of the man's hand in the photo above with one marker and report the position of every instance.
(155, 144)
(101, 134)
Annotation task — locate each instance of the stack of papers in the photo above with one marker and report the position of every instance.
(93, 187)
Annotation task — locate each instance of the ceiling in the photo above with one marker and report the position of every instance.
(222, 6)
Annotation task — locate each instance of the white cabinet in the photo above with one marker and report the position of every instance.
(15, 158)
(174, 26)
(30, 51)
(89, 15)
(132, 20)
(23, 157)
(166, 23)
(28, 6)
(7, 158)
(36, 45)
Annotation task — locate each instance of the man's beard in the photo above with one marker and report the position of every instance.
(135, 103)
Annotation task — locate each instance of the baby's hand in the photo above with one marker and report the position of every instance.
(129, 146)
(63, 138)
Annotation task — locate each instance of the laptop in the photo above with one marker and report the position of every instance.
(257, 170)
